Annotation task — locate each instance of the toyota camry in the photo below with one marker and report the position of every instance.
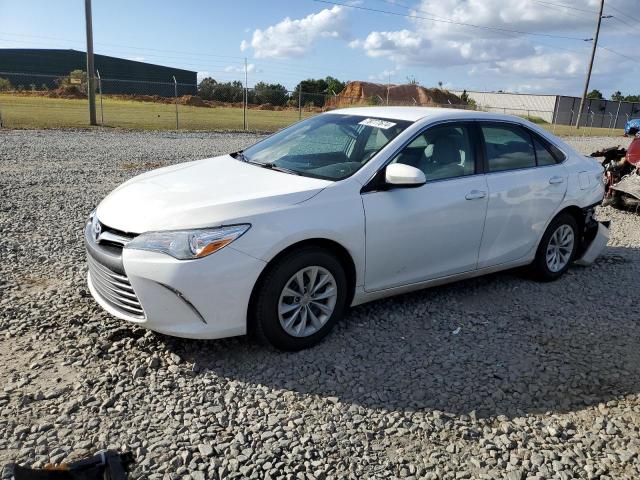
(346, 207)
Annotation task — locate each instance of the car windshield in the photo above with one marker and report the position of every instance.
(330, 146)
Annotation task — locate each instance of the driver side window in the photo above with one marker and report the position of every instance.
(441, 152)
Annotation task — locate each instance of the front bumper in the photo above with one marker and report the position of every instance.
(205, 298)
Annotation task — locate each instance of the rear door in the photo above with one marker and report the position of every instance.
(526, 184)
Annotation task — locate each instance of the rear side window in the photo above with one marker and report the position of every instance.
(543, 155)
(507, 147)
(546, 152)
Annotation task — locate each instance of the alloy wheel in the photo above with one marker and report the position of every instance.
(560, 248)
(307, 301)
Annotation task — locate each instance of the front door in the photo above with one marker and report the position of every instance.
(431, 231)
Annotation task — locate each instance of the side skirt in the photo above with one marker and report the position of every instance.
(361, 296)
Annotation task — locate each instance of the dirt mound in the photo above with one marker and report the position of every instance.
(375, 94)
(192, 100)
(67, 91)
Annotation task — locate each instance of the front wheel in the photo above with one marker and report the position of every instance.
(300, 299)
(557, 249)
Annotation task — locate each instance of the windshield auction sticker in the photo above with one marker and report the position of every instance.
(377, 123)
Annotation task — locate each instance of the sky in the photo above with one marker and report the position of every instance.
(529, 46)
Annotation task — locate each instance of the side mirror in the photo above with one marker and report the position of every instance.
(402, 175)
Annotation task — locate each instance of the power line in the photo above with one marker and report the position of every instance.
(143, 51)
(585, 11)
(543, 3)
(538, 42)
(395, 3)
(207, 63)
(182, 52)
(615, 17)
(619, 54)
(270, 72)
(563, 5)
(621, 12)
(452, 22)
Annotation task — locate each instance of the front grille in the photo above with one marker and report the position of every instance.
(114, 238)
(115, 289)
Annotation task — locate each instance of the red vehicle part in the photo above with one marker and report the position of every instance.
(633, 152)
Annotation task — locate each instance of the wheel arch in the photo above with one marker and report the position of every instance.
(337, 249)
(576, 212)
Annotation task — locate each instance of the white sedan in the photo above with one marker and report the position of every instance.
(337, 210)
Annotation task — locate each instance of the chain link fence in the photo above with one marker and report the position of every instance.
(46, 101)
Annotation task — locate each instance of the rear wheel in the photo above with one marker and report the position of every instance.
(557, 248)
(300, 299)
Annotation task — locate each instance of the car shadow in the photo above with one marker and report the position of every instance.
(496, 345)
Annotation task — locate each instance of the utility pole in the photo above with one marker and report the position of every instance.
(100, 91)
(175, 96)
(388, 85)
(91, 93)
(246, 95)
(593, 54)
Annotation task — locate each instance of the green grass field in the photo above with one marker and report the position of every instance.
(42, 112)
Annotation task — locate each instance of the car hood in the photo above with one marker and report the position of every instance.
(203, 193)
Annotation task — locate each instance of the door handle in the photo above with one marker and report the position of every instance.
(556, 180)
(475, 195)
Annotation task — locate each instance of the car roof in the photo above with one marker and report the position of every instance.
(413, 114)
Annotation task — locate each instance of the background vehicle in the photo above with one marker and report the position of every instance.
(338, 210)
(633, 123)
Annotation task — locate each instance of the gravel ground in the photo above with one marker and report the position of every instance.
(496, 377)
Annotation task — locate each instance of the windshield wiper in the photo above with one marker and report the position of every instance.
(240, 156)
(273, 166)
(270, 165)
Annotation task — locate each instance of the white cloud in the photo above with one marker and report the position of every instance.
(251, 68)
(296, 38)
(544, 65)
(201, 75)
(244, 45)
(397, 45)
(488, 50)
(384, 76)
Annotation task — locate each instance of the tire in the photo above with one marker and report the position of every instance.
(547, 271)
(270, 299)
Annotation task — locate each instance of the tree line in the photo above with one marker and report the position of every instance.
(313, 92)
(616, 96)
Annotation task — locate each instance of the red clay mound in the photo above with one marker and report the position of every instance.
(355, 93)
(192, 100)
(67, 91)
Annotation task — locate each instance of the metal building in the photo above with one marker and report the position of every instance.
(558, 109)
(39, 67)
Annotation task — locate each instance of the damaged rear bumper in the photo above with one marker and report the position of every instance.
(594, 244)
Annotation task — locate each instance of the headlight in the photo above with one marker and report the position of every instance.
(188, 244)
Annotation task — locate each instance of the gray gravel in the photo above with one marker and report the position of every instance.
(497, 377)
